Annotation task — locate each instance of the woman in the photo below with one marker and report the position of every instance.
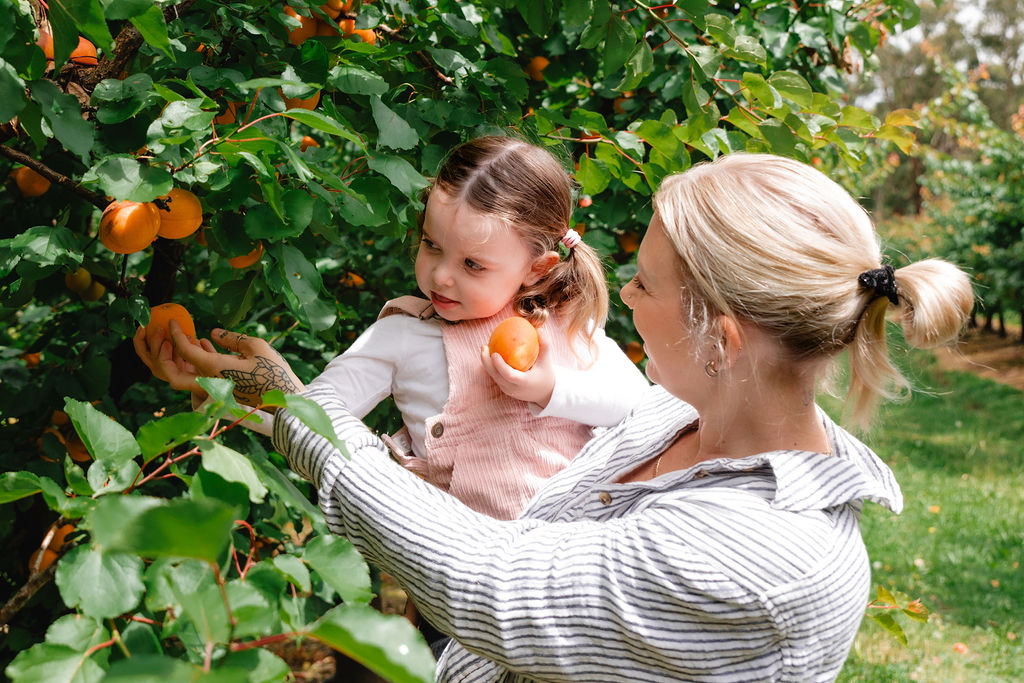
(711, 535)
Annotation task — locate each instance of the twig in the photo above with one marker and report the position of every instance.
(25, 593)
(96, 198)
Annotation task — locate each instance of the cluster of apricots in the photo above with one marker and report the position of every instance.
(61, 429)
(317, 26)
(49, 548)
(127, 227)
(81, 282)
(29, 182)
(84, 54)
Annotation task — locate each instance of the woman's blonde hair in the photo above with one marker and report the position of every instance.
(526, 187)
(776, 243)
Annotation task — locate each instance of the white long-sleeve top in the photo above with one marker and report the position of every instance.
(733, 569)
(403, 356)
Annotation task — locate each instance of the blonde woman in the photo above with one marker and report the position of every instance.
(711, 535)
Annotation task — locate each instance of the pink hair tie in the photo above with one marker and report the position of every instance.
(571, 238)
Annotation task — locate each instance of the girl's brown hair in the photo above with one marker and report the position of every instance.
(525, 186)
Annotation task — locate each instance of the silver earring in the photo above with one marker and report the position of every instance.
(710, 370)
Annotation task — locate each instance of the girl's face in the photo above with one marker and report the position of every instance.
(469, 264)
(654, 296)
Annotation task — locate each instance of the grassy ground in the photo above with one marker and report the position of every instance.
(956, 449)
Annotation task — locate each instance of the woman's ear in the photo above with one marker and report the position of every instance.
(541, 266)
(732, 339)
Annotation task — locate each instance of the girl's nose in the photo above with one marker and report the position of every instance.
(443, 274)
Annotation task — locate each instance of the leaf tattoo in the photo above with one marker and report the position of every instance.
(267, 376)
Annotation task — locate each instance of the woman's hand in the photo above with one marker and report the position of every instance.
(534, 385)
(253, 365)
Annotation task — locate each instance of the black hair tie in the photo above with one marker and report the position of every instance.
(882, 281)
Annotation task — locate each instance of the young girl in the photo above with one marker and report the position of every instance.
(489, 239)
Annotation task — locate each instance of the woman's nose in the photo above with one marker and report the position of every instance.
(624, 295)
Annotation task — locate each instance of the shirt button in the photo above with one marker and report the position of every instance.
(604, 497)
(437, 430)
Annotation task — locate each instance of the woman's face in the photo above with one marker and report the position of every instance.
(654, 296)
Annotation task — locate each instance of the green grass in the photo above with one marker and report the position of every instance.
(956, 449)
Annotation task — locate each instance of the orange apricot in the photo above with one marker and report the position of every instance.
(76, 448)
(29, 182)
(348, 28)
(229, 115)
(635, 351)
(306, 29)
(516, 340)
(307, 142)
(160, 318)
(536, 66)
(47, 554)
(46, 43)
(127, 227)
(629, 242)
(94, 292)
(300, 103)
(183, 215)
(246, 260)
(85, 53)
(79, 280)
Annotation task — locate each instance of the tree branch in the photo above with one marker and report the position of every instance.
(25, 593)
(97, 198)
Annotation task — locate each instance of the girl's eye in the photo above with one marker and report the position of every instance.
(428, 243)
(473, 265)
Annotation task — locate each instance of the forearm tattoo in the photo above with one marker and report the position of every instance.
(269, 374)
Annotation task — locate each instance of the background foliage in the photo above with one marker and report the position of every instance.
(185, 557)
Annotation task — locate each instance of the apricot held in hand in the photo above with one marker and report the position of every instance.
(515, 339)
(160, 318)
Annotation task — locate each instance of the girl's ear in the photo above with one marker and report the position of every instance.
(541, 265)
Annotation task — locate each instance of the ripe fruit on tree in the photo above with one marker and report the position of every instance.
(306, 29)
(629, 242)
(326, 28)
(79, 280)
(85, 53)
(93, 292)
(182, 216)
(48, 549)
(348, 28)
(229, 115)
(76, 448)
(46, 43)
(516, 340)
(333, 8)
(160, 318)
(30, 183)
(307, 142)
(300, 103)
(586, 201)
(246, 260)
(127, 227)
(536, 66)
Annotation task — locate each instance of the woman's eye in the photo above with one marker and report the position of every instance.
(636, 282)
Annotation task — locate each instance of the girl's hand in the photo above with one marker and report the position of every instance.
(534, 385)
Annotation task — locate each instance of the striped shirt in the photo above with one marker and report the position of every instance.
(731, 570)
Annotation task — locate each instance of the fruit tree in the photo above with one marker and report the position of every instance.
(286, 146)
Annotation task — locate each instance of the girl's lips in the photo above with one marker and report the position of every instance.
(442, 301)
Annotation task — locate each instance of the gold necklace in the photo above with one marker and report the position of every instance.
(657, 464)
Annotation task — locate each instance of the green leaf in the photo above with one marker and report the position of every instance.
(155, 527)
(386, 644)
(313, 416)
(232, 466)
(538, 14)
(355, 81)
(748, 49)
(104, 438)
(88, 18)
(394, 131)
(18, 485)
(50, 663)
(304, 286)
(221, 391)
(593, 175)
(203, 604)
(341, 567)
(107, 476)
(12, 92)
(293, 569)
(123, 177)
(618, 44)
(153, 28)
(77, 631)
(721, 29)
(792, 86)
(318, 121)
(234, 299)
(64, 114)
(576, 12)
(159, 436)
(283, 488)
(855, 117)
(902, 138)
(45, 246)
(400, 172)
(887, 622)
(153, 668)
(101, 584)
(779, 137)
(262, 665)
(119, 100)
(759, 88)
